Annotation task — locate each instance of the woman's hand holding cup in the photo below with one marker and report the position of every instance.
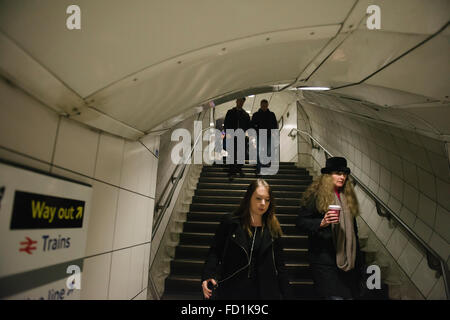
(331, 216)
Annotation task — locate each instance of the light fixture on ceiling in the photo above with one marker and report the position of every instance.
(314, 88)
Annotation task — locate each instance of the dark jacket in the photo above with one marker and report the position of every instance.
(228, 260)
(237, 119)
(329, 280)
(321, 247)
(264, 120)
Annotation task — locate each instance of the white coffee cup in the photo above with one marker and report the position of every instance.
(336, 208)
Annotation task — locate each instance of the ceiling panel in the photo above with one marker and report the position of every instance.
(119, 38)
(424, 71)
(155, 95)
(360, 55)
(381, 96)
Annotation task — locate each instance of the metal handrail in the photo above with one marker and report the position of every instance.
(174, 180)
(443, 264)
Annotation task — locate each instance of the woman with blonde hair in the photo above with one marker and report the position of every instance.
(245, 259)
(334, 253)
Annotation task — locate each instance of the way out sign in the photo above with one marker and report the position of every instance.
(43, 230)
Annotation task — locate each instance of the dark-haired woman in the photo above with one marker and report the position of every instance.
(334, 254)
(245, 259)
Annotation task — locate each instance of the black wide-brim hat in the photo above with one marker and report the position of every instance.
(338, 164)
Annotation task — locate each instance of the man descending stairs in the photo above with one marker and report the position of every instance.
(215, 196)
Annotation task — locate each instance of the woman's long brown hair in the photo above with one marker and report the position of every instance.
(320, 194)
(269, 219)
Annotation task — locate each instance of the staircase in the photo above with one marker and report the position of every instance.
(215, 196)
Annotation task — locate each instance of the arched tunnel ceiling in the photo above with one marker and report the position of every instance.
(135, 66)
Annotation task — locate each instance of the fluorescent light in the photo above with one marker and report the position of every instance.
(314, 88)
(251, 96)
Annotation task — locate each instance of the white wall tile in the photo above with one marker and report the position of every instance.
(410, 197)
(410, 258)
(146, 265)
(76, 147)
(365, 164)
(136, 168)
(136, 271)
(410, 173)
(102, 218)
(407, 217)
(153, 176)
(427, 210)
(424, 278)
(26, 126)
(385, 178)
(396, 187)
(397, 243)
(422, 230)
(439, 166)
(383, 194)
(109, 159)
(395, 164)
(394, 205)
(384, 231)
(417, 155)
(24, 160)
(438, 291)
(375, 171)
(442, 223)
(133, 211)
(120, 270)
(427, 183)
(95, 277)
(374, 219)
(443, 192)
(441, 246)
(151, 208)
(71, 175)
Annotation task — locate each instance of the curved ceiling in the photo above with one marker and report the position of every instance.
(133, 67)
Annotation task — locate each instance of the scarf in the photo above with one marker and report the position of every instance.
(344, 237)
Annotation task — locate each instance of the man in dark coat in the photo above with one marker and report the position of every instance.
(236, 118)
(264, 119)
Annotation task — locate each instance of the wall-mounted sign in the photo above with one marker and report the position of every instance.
(43, 224)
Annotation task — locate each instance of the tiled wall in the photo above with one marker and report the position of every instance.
(123, 178)
(407, 171)
(288, 145)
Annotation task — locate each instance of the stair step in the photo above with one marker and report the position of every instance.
(183, 284)
(278, 176)
(252, 170)
(239, 185)
(205, 239)
(247, 180)
(211, 227)
(205, 216)
(227, 207)
(187, 266)
(241, 193)
(247, 165)
(237, 200)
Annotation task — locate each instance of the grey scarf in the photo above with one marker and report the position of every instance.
(344, 237)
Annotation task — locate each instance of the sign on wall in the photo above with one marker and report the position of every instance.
(43, 230)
